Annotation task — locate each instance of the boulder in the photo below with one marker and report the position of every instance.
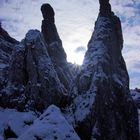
(51, 125)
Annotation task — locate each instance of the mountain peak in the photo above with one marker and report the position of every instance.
(105, 8)
(47, 12)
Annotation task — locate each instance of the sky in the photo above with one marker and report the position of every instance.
(75, 23)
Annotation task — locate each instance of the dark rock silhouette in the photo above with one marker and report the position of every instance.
(32, 76)
(105, 8)
(104, 108)
(54, 46)
(48, 12)
(94, 98)
(6, 46)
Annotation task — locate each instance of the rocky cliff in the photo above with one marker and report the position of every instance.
(103, 84)
(94, 99)
(6, 47)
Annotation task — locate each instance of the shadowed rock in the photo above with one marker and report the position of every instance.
(104, 108)
(54, 46)
(105, 8)
(7, 44)
(47, 12)
(32, 74)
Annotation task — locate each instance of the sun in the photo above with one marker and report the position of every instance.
(75, 58)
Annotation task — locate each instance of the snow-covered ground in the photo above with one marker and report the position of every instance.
(51, 125)
(12, 121)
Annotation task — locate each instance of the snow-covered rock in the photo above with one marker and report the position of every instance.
(43, 85)
(51, 125)
(94, 98)
(14, 123)
(7, 44)
(103, 85)
(39, 74)
(32, 73)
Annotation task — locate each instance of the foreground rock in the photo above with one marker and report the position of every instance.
(14, 123)
(51, 125)
(104, 109)
(7, 44)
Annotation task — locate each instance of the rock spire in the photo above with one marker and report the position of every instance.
(105, 8)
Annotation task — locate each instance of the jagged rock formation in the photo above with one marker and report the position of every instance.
(6, 46)
(54, 46)
(39, 74)
(104, 108)
(94, 98)
(33, 81)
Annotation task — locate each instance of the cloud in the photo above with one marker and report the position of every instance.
(80, 50)
(136, 66)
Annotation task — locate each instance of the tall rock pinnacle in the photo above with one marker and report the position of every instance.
(47, 12)
(54, 45)
(105, 8)
(103, 85)
(48, 27)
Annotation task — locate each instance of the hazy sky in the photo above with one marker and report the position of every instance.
(75, 23)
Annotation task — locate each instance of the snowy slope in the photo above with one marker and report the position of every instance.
(16, 122)
(51, 125)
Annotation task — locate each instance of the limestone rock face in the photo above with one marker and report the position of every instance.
(5, 53)
(6, 46)
(94, 98)
(32, 75)
(43, 82)
(105, 8)
(54, 46)
(104, 108)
